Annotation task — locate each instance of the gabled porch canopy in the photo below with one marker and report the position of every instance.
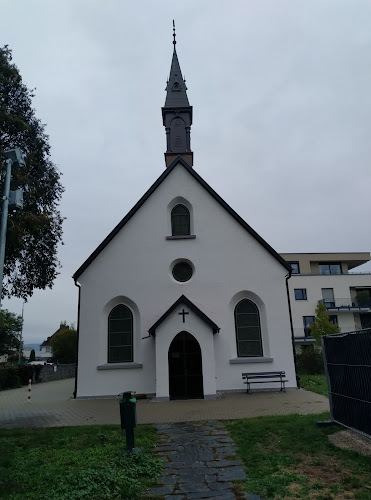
(183, 300)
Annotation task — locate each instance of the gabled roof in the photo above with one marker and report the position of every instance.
(47, 342)
(183, 300)
(152, 189)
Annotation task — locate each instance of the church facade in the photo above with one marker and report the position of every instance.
(183, 296)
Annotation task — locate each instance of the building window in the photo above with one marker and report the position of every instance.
(307, 321)
(330, 268)
(295, 269)
(333, 319)
(300, 293)
(120, 335)
(328, 297)
(182, 271)
(180, 221)
(248, 331)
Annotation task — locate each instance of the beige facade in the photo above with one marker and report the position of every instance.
(333, 278)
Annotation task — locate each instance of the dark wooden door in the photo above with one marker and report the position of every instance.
(185, 368)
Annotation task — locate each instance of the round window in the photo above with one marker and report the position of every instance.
(182, 271)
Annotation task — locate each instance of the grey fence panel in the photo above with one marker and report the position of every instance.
(348, 368)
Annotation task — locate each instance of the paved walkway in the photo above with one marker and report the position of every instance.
(52, 405)
(199, 462)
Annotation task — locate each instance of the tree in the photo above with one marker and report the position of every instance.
(64, 346)
(10, 328)
(34, 232)
(322, 324)
(32, 355)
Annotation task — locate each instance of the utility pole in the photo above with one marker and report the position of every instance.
(21, 337)
(13, 156)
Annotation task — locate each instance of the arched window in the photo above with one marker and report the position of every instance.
(120, 335)
(248, 331)
(180, 221)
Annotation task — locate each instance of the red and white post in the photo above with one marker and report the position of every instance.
(29, 391)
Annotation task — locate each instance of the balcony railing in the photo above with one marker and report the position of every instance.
(302, 333)
(350, 273)
(347, 304)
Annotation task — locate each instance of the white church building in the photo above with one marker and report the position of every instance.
(183, 296)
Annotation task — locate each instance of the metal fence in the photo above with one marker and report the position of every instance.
(347, 359)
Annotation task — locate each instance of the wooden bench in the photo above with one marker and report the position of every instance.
(264, 378)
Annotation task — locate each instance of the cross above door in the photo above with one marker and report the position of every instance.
(183, 313)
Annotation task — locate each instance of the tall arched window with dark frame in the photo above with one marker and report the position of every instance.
(180, 221)
(248, 329)
(120, 335)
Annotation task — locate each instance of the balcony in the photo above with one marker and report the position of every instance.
(302, 336)
(348, 304)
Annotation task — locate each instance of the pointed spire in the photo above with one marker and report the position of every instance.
(176, 95)
(177, 114)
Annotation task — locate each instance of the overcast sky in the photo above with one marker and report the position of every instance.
(281, 107)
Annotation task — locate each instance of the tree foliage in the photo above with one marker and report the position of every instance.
(34, 232)
(322, 325)
(10, 328)
(64, 346)
(32, 355)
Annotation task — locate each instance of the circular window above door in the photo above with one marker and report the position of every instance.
(182, 271)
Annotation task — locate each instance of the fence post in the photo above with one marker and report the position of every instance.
(327, 377)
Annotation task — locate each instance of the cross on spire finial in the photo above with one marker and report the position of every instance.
(174, 34)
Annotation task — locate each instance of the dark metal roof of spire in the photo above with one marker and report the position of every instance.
(176, 95)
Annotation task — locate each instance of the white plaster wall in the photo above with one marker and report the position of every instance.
(136, 266)
(164, 336)
(341, 285)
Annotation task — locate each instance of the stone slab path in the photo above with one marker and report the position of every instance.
(199, 462)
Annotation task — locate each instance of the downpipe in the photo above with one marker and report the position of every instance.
(288, 276)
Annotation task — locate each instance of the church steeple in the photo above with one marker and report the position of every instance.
(177, 114)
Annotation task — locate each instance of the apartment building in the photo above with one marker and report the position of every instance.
(332, 278)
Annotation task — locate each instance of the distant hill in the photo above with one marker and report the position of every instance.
(32, 346)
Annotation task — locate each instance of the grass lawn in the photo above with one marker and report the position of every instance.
(289, 457)
(314, 383)
(73, 463)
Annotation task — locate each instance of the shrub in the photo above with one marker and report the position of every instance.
(64, 346)
(309, 361)
(25, 373)
(9, 377)
(12, 376)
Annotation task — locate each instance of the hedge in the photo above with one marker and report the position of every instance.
(310, 361)
(12, 376)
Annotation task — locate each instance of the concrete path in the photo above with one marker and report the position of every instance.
(199, 462)
(52, 405)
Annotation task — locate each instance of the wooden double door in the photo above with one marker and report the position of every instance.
(185, 368)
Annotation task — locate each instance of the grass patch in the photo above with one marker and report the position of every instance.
(71, 463)
(314, 383)
(289, 457)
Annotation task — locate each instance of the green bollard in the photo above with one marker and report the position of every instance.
(128, 416)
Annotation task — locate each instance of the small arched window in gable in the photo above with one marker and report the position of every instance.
(120, 335)
(180, 221)
(248, 330)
